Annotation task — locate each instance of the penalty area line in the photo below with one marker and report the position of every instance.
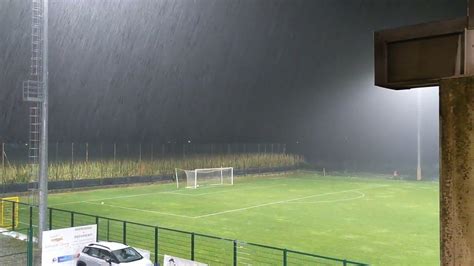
(165, 192)
(141, 210)
(359, 196)
(117, 197)
(283, 201)
(241, 209)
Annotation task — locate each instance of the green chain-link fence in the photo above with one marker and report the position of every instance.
(160, 240)
(16, 238)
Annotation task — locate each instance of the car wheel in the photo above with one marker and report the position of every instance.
(81, 263)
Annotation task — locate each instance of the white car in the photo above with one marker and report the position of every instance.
(111, 253)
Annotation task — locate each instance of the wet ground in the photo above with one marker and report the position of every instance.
(12, 251)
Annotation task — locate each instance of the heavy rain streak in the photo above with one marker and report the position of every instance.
(235, 132)
(222, 71)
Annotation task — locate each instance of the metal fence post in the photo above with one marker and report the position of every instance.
(101, 160)
(140, 153)
(72, 164)
(72, 219)
(56, 152)
(235, 253)
(285, 257)
(344, 262)
(50, 219)
(13, 215)
(108, 229)
(56, 159)
(115, 151)
(192, 246)
(156, 245)
(30, 240)
(139, 165)
(124, 233)
(97, 223)
(87, 152)
(3, 168)
(3, 155)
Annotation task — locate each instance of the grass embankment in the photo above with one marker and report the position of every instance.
(109, 168)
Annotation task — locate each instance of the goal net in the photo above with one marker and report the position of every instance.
(204, 177)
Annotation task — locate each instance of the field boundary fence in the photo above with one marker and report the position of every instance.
(159, 240)
(72, 152)
(126, 180)
(77, 162)
(16, 237)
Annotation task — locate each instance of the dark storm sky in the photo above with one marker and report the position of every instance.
(220, 70)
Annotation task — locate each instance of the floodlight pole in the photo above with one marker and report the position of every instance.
(43, 164)
(456, 117)
(418, 136)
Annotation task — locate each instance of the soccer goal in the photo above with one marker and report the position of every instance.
(204, 177)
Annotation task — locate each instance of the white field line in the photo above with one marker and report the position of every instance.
(117, 197)
(27, 224)
(281, 201)
(359, 196)
(232, 210)
(232, 190)
(141, 210)
(162, 192)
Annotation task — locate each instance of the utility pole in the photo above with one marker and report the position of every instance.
(43, 167)
(35, 91)
(418, 135)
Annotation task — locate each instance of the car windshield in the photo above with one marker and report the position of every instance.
(127, 255)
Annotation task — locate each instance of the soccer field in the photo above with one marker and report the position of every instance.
(372, 220)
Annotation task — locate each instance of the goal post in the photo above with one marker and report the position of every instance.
(9, 212)
(204, 177)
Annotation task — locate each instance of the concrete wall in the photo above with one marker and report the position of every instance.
(457, 171)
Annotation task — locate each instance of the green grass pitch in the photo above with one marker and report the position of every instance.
(377, 221)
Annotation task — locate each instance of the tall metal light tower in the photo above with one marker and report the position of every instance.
(35, 91)
(418, 137)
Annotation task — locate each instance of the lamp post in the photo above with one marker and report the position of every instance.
(418, 136)
(43, 158)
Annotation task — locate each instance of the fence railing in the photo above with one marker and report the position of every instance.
(82, 152)
(159, 240)
(91, 161)
(16, 238)
(118, 181)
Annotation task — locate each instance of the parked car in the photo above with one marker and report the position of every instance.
(111, 253)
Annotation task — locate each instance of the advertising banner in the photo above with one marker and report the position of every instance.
(62, 246)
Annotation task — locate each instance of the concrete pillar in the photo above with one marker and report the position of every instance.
(457, 171)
